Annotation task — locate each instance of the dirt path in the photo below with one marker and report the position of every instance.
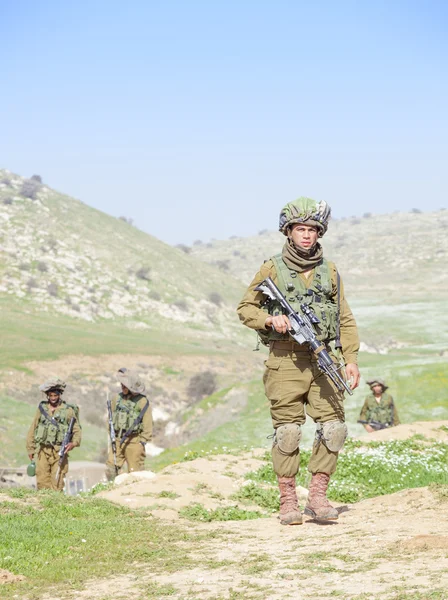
(388, 547)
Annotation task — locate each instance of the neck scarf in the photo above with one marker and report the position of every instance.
(300, 260)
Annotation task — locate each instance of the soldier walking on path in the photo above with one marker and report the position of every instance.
(132, 423)
(47, 433)
(293, 382)
(379, 410)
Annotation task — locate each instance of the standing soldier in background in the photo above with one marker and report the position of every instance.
(132, 423)
(46, 435)
(379, 410)
(292, 379)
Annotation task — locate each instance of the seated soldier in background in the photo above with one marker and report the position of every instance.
(46, 435)
(132, 423)
(379, 410)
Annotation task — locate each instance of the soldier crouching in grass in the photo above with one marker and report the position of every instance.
(293, 382)
(132, 424)
(46, 435)
(379, 410)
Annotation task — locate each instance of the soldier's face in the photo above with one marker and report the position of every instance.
(303, 236)
(53, 398)
(377, 389)
(124, 390)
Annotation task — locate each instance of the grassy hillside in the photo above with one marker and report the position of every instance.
(391, 257)
(62, 257)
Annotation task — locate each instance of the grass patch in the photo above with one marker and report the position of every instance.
(81, 538)
(373, 469)
(265, 497)
(168, 494)
(198, 512)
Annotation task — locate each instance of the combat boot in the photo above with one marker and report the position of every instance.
(289, 509)
(317, 505)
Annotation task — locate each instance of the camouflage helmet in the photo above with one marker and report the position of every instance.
(305, 210)
(53, 385)
(378, 381)
(131, 380)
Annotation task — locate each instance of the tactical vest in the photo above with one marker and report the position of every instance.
(318, 297)
(382, 411)
(127, 413)
(51, 428)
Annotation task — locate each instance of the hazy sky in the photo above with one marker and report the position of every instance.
(200, 119)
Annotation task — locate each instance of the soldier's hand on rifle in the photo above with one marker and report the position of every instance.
(369, 428)
(69, 447)
(30, 456)
(280, 323)
(353, 375)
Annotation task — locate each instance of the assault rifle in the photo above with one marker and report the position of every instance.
(376, 425)
(113, 439)
(302, 331)
(65, 442)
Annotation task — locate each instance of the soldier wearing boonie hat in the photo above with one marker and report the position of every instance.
(132, 422)
(379, 410)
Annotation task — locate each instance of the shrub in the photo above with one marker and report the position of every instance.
(202, 385)
(29, 189)
(154, 295)
(215, 298)
(184, 248)
(236, 253)
(42, 266)
(31, 283)
(7, 200)
(367, 215)
(223, 265)
(143, 273)
(6, 181)
(127, 220)
(416, 211)
(355, 221)
(181, 304)
(53, 289)
(197, 243)
(37, 178)
(24, 266)
(262, 231)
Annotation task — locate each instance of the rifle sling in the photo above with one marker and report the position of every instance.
(47, 416)
(136, 422)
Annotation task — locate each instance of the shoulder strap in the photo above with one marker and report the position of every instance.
(281, 269)
(75, 409)
(337, 343)
(136, 422)
(47, 416)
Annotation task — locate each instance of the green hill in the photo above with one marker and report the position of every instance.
(61, 258)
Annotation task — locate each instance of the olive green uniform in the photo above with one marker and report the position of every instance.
(45, 439)
(384, 411)
(132, 450)
(293, 382)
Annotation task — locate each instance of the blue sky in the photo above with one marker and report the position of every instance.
(200, 119)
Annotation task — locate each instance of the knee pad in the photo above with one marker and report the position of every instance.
(332, 434)
(287, 437)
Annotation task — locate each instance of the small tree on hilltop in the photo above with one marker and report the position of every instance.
(29, 189)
